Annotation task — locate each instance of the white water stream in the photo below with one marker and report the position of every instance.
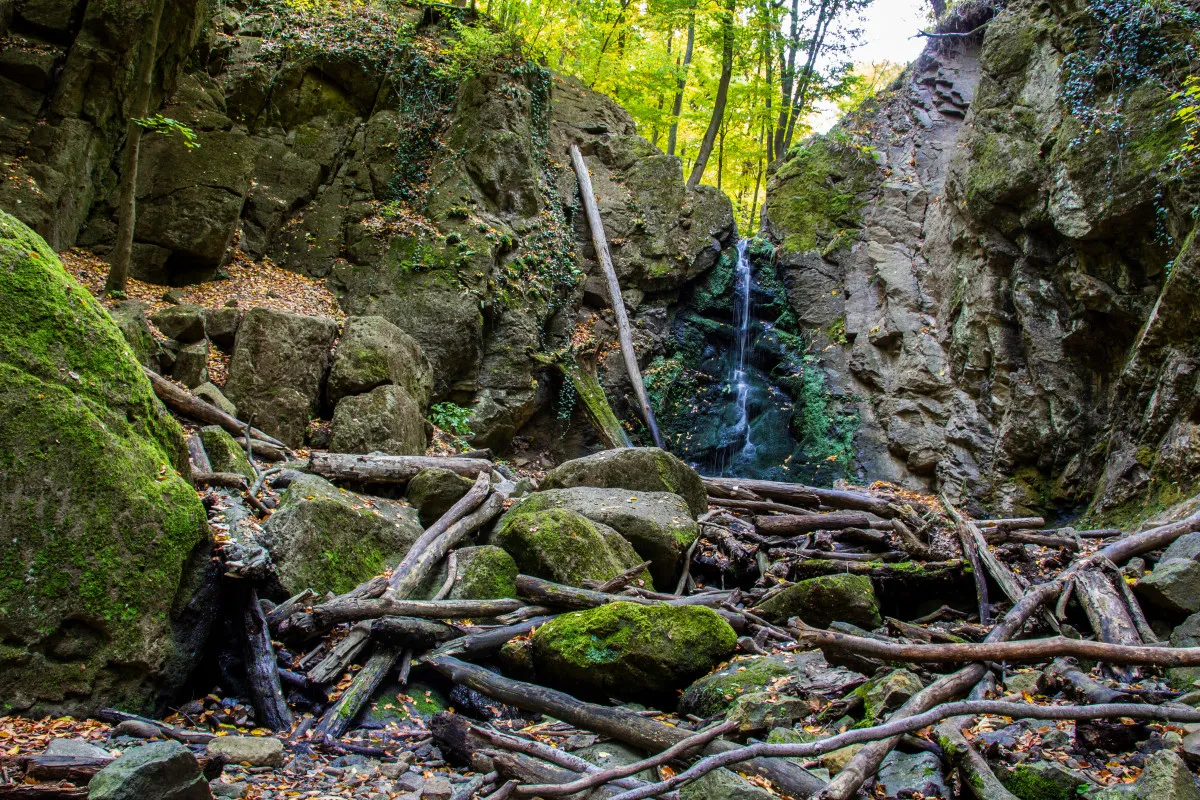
(741, 322)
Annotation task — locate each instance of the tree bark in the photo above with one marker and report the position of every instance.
(410, 574)
(118, 274)
(325, 618)
(389, 469)
(718, 113)
(188, 404)
(262, 672)
(791, 524)
(338, 718)
(681, 84)
(625, 333)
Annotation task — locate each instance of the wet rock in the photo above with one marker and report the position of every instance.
(159, 771)
(564, 547)
(632, 650)
(184, 323)
(257, 751)
(659, 525)
(640, 469)
(234, 790)
(822, 600)
(908, 775)
(437, 788)
(277, 368)
(799, 674)
(1110, 736)
(75, 748)
(137, 729)
(331, 540)
(433, 491)
(481, 573)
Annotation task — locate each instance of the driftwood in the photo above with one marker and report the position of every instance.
(338, 718)
(198, 455)
(1082, 685)
(624, 331)
(282, 612)
(190, 405)
(389, 469)
(413, 632)
(225, 480)
(487, 643)
(262, 674)
(791, 524)
(620, 724)
(335, 663)
(1104, 605)
(1039, 538)
(1011, 524)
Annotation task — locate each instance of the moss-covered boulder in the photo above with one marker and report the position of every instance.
(798, 674)
(481, 573)
(565, 547)
(1164, 777)
(386, 419)
(329, 539)
(1186, 634)
(632, 650)
(1173, 586)
(182, 323)
(433, 491)
(825, 599)
(224, 453)
(658, 524)
(888, 692)
(105, 544)
(278, 364)
(130, 316)
(1043, 780)
(640, 469)
(373, 352)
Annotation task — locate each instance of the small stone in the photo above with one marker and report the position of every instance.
(137, 729)
(75, 748)
(908, 775)
(191, 364)
(437, 788)
(410, 782)
(234, 791)
(210, 393)
(257, 751)
(173, 296)
(1024, 682)
(889, 692)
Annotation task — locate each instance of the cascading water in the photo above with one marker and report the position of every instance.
(741, 323)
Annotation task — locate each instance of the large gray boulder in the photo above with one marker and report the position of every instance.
(641, 469)
(1173, 586)
(386, 419)
(564, 546)
(481, 573)
(1186, 634)
(373, 352)
(183, 323)
(278, 364)
(435, 490)
(328, 539)
(912, 774)
(158, 771)
(658, 524)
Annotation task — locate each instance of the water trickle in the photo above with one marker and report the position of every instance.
(739, 378)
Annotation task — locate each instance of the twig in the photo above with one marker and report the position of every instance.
(687, 567)
(451, 575)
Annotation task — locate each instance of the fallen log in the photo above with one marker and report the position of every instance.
(1135, 544)
(1104, 605)
(413, 632)
(225, 480)
(1001, 536)
(809, 495)
(264, 450)
(338, 718)
(389, 469)
(189, 404)
(624, 331)
(758, 505)
(262, 674)
(198, 455)
(1082, 685)
(284, 611)
(115, 717)
(556, 595)
(1011, 524)
(976, 773)
(487, 643)
(582, 376)
(620, 724)
(900, 725)
(325, 617)
(791, 524)
(338, 660)
(1024, 650)
(413, 570)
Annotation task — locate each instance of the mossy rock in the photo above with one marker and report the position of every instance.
(373, 352)
(1186, 634)
(433, 491)
(800, 674)
(825, 599)
(130, 316)
(658, 524)
(887, 693)
(632, 650)
(1042, 780)
(640, 469)
(723, 784)
(566, 547)
(1165, 776)
(482, 573)
(105, 543)
(329, 539)
(386, 419)
(224, 453)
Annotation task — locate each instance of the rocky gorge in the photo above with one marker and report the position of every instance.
(324, 500)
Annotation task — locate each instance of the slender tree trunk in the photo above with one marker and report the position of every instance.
(608, 38)
(681, 84)
(118, 274)
(814, 51)
(718, 114)
(787, 76)
(721, 155)
(764, 142)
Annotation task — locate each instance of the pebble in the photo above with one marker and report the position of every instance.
(233, 791)
(437, 788)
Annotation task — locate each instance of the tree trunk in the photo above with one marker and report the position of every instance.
(681, 84)
(718, 114)
(587, 195)
(118, 274)
(262, 672)
(824, 19)
(787, 79)
(389, 469)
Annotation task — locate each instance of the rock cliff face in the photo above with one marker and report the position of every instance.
(995, 263)
(428, 188)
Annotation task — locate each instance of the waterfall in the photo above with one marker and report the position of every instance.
(739, 378)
